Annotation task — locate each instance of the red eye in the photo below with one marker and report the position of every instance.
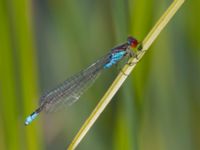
(132, 42)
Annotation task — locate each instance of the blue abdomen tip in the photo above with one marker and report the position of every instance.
(30, 118)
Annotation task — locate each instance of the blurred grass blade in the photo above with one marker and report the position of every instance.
(162, 22)
(8, 92)
(23, 38)
(18, 77)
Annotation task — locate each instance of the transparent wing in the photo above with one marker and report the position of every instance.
(71, 89)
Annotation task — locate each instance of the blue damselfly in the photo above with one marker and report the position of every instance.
(70, 90)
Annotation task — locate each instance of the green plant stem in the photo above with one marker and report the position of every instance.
(150, 38)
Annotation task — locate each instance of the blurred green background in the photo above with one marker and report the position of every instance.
(44, 42)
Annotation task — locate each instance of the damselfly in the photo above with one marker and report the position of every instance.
(71, 89)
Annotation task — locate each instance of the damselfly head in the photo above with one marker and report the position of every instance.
(132, 42)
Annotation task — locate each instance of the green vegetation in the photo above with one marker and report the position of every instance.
(44, 42)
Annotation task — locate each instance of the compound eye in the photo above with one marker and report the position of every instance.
(132, 42)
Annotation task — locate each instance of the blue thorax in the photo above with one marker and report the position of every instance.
(115, 57)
